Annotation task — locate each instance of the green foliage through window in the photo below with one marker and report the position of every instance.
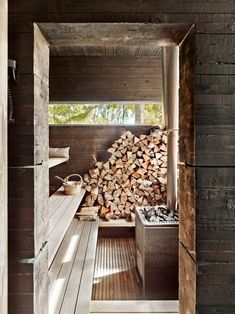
(105, 113)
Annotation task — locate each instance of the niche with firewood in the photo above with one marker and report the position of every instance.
(133, 175)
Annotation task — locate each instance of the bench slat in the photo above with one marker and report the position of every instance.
(68, 204)
(84, 296)
(64, 270)
(55, 195)
(58, 261)
(74, 285)
(61, 215)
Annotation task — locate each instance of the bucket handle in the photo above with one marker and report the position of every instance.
(73, 175)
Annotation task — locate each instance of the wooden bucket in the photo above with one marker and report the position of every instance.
(72, 187)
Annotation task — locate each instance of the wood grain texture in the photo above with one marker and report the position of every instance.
(41, 96)
(214, 214)
(28, 211)
(40, 208)
(107, 51)
(215, 135)
(136, 35)
(28, 183)
(204, 282)
(29, 278)
(206, 200)
(20, 136)
(134, 306)
(61, 212)
(186, 100)
(26, 143)
(157, 260)
(41, 282)
(105, 79)
(96, 6)
(3, 156)
(187, 279)
(21, 195)
(86, 143)
(187, 212)
(71, 273)
(20, 279)
(115, 276)
(215, 41)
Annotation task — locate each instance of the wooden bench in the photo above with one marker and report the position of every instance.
(61, 212)
(71, 273)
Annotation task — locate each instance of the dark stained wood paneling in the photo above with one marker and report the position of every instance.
(214, 45)
(206, 217)
(3, 156)
(108, 51)
(28, 192)
(122, 7)
(204, 283)
(20, 279)
(28, 278)
(28, 195)
(215, 134)
(20, 136)
(28, 179)
(86, 143)
(215, 203)
(105, 78)
(25, 137)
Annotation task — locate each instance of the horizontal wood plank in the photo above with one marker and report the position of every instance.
(61, 214)
(63, 268)
(134, 306)
(105, 78)
(71, 273)
(52, 162)
(84, 296)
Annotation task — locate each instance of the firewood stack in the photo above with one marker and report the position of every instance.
(134, 175)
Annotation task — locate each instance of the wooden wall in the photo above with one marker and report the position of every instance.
(28, 175)
(86, 143)
(3, 156)
(105, 78)
(213, 111)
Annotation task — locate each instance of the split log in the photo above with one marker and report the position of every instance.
(135, 174)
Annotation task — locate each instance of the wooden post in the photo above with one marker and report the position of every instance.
(3, 156)
(28, 174)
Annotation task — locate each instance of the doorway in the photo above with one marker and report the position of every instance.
(145, 34)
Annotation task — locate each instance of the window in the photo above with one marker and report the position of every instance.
(106, 113)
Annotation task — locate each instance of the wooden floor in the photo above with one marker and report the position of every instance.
(115, 275)
(115, 284)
